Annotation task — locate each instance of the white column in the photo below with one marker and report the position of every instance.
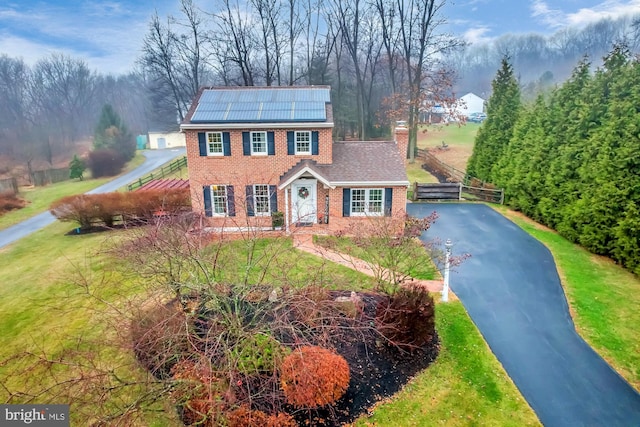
(286, 209)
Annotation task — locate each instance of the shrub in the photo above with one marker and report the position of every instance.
(105, 162)
(160, 338)
(258, 353)
(407, 319)
(198, 392)
(142, 205)
(107, 206)
(78, 208)
(76, 167)
(245, 417)
(313, 376)
(10, 201)
(148, 203)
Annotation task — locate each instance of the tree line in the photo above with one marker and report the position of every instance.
(46, 109)
(571, 158)
(384, 60)
(539, 61)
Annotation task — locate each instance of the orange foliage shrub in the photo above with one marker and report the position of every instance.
(245, 417)
(314, 376)
(10, 201)
(198, 392)
(85, 209)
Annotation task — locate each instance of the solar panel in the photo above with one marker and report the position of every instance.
(262, 105)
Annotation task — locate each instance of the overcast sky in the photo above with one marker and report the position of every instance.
(108, 34)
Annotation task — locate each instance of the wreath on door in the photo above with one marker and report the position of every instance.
(303, 192)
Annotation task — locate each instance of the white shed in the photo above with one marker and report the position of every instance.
(470, 103)
(162, 140)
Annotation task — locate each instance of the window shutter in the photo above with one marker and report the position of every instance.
(208, 211)
(231, 202)
(273, 196)
(202, 143)
(346, 202)
(249, 193)
(226, 143)
(315, 137)
(388, 200)
(246, 144)
(271, 144)
(291, 143)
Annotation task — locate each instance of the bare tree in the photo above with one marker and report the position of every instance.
(192, 50)
(14, 84)
(421, 43)
(160, 59)
(236, 40)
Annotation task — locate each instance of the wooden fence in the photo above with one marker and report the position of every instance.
(164, 171)
(468, 187)
(442, 191)
(49, 176)
(456, 191)
(9, 185)
(441, 170)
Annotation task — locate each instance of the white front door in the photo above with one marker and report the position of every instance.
(304, 201)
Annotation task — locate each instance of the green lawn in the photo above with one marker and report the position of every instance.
(603, 297)
(452, 134)
(43, 311)
(466, 386)
(40, 198)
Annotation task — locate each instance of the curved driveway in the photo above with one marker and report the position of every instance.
(511, 289)
(154, 159)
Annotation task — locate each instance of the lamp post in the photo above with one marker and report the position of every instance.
(445, 286)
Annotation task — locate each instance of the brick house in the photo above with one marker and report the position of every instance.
(253, 151)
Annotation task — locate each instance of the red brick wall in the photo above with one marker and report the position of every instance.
(402, 139)
(240, 170)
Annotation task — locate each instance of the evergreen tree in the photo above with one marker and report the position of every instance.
(111, 133)
(568, 129)
(76, 168)
(495, 134)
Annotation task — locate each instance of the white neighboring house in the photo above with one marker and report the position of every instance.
(162, 140)
(470, 103)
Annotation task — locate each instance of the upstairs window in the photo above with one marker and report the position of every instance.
(214, 144)
(303, 142)
(259, 143)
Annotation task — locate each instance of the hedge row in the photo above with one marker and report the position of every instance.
(104, 209)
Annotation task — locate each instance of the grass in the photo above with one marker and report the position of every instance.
(40, 198)
(453, 134)
(419, 267)
(603, 297)
(42, 310)
(466, 386)
(458, 138)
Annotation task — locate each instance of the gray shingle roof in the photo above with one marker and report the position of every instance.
(358, 163)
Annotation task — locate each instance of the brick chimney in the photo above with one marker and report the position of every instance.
(401, 136)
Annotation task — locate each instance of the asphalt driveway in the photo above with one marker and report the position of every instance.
(511, 290)
(154, 159)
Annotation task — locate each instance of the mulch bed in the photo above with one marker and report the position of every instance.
(378, 371)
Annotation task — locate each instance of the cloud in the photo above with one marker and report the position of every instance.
(477, 35)
(556, 18)
(107, 35)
